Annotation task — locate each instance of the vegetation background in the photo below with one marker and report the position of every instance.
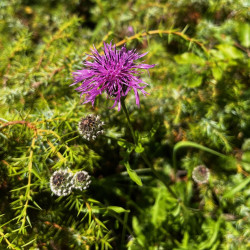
(199, 92)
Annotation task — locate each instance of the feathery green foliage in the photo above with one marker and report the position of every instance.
(197, 113)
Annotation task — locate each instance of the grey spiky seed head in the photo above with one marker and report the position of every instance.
(61, 182)
(90, 127)
(81, 180)
(201, 174)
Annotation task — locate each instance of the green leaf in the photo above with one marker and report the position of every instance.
(246, 160)
(138, 231)
(187, 144)
(28, 219)
(244, 34)
(246, 145)
(28, 243)
(230, 52)
(195, 81)
(4, 136)
(158, 213)
(94, 201)
(246, 156)
(129, 146)
(36, 174)
(176, 211)
(36, 204)
(217, 72)
(210, 242)
(139, 148)
(237, 188)
(185, 240)
(154, 129)
(183, 144)
(132, 174)
(118, 209)
(191, 144)
(100, 223)
(189, 58)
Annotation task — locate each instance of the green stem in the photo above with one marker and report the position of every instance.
(160, 177)
(183, 144)
(113, 138)
(143, 155)
(128, 119)
(125, 222)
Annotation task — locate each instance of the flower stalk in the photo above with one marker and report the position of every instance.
(143, 155)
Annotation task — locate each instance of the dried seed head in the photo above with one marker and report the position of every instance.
(81, 180)
(61, 182)
(90, 127)
(201, 174)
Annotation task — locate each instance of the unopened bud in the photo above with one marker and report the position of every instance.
(201, 174)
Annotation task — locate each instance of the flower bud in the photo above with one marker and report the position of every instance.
(61, 182)
(81, 180)
(90, 127)
(201, 174)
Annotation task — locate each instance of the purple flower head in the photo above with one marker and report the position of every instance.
(114, 72)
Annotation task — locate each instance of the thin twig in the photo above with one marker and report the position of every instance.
(154, 32)
(7, 241)
(28, 191)
(28, 124)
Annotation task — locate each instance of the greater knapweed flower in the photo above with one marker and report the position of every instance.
(81, 180)
(114, 72)
(201, 174)
(61, 182)
(90, 127)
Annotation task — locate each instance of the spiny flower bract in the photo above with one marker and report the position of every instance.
(81, 180)
(61, 182)
(114, 72)
(90, 127)
(201, 174)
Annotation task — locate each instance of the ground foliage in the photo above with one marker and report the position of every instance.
(199, 92)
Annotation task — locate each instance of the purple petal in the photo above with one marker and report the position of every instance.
(115, 73)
